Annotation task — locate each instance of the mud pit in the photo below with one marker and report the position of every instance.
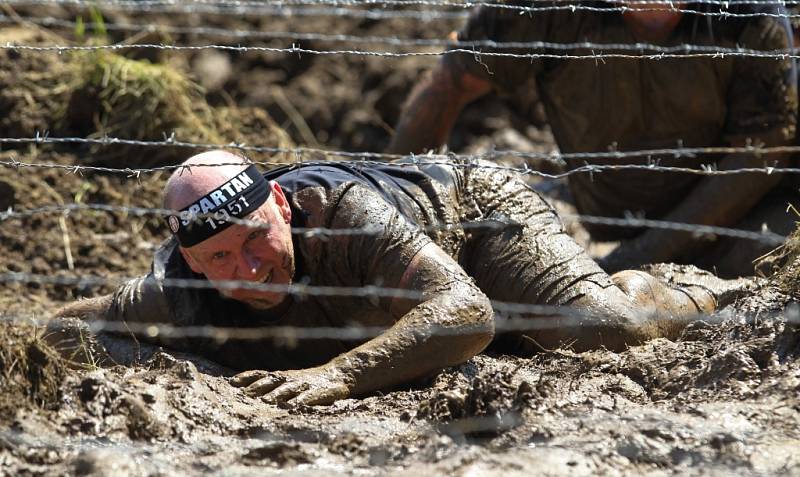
(724, 398)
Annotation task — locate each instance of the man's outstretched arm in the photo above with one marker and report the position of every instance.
(86, 309)
(137, 301)
(434, 105)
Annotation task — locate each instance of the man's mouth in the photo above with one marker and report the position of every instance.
(269, 276)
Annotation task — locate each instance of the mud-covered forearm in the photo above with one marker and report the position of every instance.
(445, 319)
(86, 309)
(443, 331)
(433, 107)
(140, 300)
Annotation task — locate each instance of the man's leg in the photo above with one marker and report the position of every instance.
(533, 261)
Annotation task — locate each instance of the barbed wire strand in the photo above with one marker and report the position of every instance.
(537, 317)
(704, 170)
(300, 36)
(560, 318)
(469, 4)
(256, 10)
(345, 10)
(783, 54)
(553, 156)
(764, 236)
(465, 5)
(566, 316)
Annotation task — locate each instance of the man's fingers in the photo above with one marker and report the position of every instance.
(265, 385)
(285, 392)
(314, 397)
(247, 378)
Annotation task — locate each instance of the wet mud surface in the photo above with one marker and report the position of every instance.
(722, 399)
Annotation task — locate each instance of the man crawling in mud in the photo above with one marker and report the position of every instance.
(452, 237)
(627, 104)
(403, 228)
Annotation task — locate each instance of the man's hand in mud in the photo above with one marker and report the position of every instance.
(309, 387)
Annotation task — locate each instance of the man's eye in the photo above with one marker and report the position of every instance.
(219, 255)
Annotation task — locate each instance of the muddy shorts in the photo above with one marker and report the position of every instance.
(524, 254)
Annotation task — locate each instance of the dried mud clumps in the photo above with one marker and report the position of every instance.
(30, 370)
(485, 405)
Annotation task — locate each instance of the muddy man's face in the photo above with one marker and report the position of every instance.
(252, 254)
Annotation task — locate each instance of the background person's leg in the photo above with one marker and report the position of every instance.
(737, 257)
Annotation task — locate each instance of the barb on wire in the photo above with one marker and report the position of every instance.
(392, 41)
(692, 51)
(762, 236)
(346, 8)
(556, 157)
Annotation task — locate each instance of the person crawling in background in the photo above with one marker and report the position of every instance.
(630, 104)
(414, 238)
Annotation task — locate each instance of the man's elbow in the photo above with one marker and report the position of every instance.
(484, 323)
(471, 328)
(87, 309)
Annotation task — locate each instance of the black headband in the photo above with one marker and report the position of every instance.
(209, 215)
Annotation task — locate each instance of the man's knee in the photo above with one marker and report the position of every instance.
(647, 292)
(664, 309)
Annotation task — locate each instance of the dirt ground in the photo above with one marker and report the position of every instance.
(722, 399)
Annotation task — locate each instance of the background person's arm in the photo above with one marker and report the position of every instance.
(434, 106)
(460, 78)
(717, 200)
(762, 110)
